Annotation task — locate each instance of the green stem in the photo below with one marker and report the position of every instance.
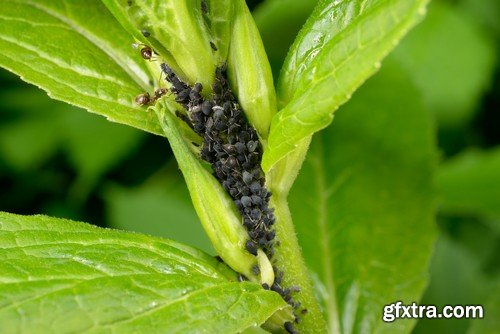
(288, 257)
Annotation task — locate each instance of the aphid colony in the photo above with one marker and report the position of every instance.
(231, 145)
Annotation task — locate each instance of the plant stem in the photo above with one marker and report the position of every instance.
(288, 257)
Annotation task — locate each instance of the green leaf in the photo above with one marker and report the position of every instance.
(279, 22)
(491, 322)
(338, 48)
(363, 205)
(77, 53)
(175, 29)
(470, 184)
(451, 60)
(61, 276)
(484, 12)
(457, 278)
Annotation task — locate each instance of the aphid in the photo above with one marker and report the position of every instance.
(241, 158)
(227, 106)
(256, 200)
(200, 128)
(218, 111)
(252, 145)
(233, 129)
(289, 328)
(145, 33)
(217, 88)
(246, 201)
(265, 286)
(206, 108)
(143, 99)
(262, 242)
(204, 7)
(247, 177)
(194, 97)
(271, 235)
(256, 270)
(255, 187)
(232, 162)
(167, 70)
(253, 158)
(256, 214)
(276, 288)
(183, 95)
(233, 192)
(198, 87)
(251, 247)
(212, 45)
(240, 147)
(220, 125)
(230, 149)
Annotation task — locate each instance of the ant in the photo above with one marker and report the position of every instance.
(146, 52)
(145, 99)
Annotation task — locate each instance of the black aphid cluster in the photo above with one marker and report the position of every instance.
(231, 145)
(233, 149)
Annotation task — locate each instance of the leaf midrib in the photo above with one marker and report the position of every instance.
(78, 281)
(161, 306)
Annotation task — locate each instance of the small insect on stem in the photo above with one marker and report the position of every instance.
(159, 92)
(143, 99)
(146, 52)
(289, 328)
(251, 247)
(145, 33)
(204, 7)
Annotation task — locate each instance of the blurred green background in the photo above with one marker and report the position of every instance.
(64, 162)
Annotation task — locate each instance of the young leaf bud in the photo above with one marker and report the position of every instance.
(249, 71)
(215, 208)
